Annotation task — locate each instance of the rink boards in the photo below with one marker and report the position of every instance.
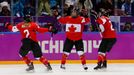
(122, 52)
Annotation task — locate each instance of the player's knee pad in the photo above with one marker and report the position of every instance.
(80, 53)
(38, 58)
(101, 53)
(67, 53)
(21, 55)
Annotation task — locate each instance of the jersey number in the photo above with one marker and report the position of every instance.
(27, 33)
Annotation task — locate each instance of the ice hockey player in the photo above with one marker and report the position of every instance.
(74, 28)
(108, 35)
(28, 30)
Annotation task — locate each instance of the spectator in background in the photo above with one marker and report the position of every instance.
(5, 9)
(128, 26)
(84, 13)
(20, 5)
(18, 8)
(71, 2)
(29, 9)
(85, 4)
(69, 6)
(4, 3)
(120, 3)
(59, 2)
(127, 7)
(44, 7)
(55, 13)
(132, 10)
(67, 10)
(107, 5)
(118, 11)
(53, 3)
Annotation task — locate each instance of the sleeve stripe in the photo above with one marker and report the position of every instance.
(102, 28)
(103, 20)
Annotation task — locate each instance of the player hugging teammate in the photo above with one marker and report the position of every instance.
(108, 35)
(74, 29)
(28, 30)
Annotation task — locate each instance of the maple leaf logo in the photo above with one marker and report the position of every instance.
(72, 28)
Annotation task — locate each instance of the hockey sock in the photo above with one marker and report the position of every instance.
(101, 58)
(105, 58)
(83, 59)
(64, 57)
(26, 59)
(43, 60)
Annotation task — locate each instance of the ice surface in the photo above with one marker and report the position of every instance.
(76, 69)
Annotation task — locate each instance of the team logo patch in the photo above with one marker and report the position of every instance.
(73, 28)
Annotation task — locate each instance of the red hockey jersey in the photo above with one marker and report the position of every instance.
(106, 27)
(74, 26)
(28, 31)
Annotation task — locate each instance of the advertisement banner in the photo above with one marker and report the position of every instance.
(53, 48)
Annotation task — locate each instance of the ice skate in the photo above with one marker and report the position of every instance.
(30, 67)
(62, 67)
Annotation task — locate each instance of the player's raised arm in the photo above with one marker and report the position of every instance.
(85, 20)
(63, 20)
(11, 27)
(49, 28)
(41, 30)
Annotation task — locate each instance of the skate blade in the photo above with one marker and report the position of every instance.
(49, 71)
(63, 68)
(104, 69)
(31, 71)
(86, 70)
(101, 69)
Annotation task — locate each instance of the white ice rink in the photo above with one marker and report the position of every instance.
(71, 69)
